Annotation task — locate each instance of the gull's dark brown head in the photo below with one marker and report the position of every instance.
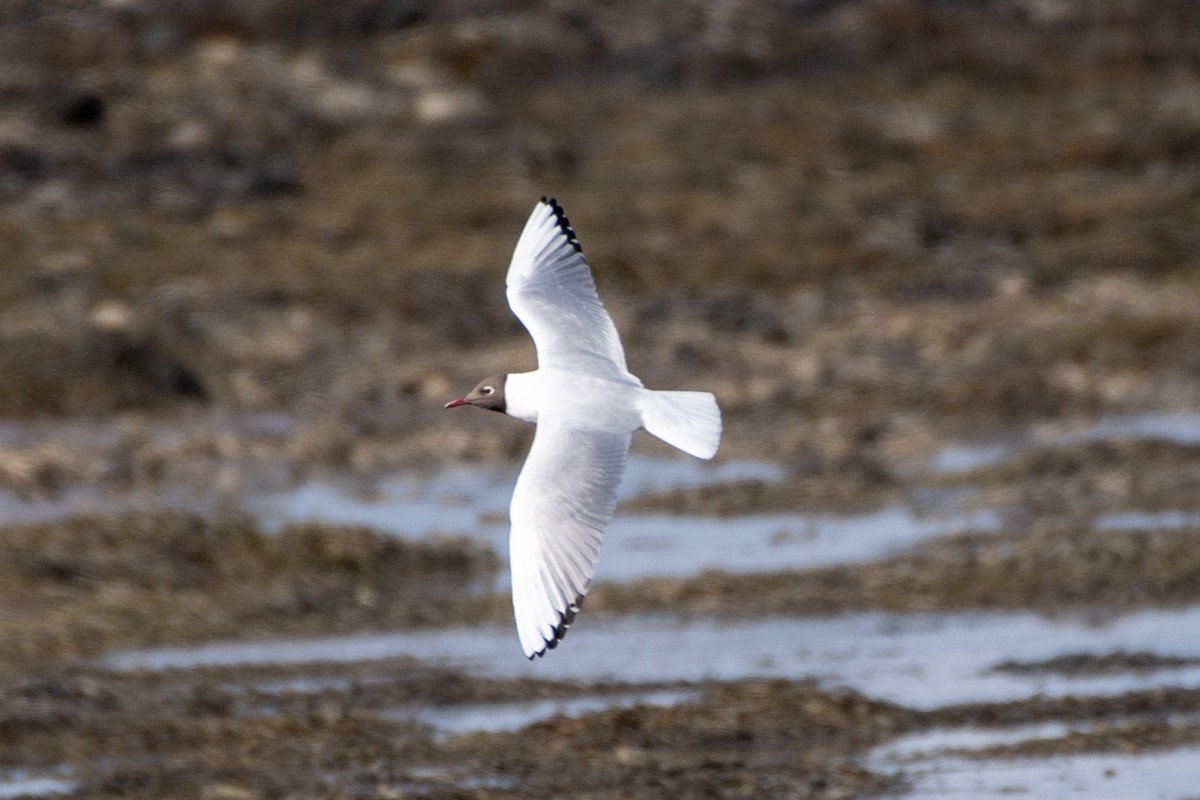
(488, 393)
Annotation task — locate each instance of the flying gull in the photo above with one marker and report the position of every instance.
(586, 406)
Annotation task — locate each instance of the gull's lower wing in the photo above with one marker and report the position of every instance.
(563, 501)
(551, 291)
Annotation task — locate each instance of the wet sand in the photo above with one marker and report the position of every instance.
(936, 260)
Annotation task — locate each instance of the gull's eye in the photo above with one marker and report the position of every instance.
(487, 390)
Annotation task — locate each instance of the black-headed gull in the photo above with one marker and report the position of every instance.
(586, 405)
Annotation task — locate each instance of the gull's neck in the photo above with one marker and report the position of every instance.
(521, 395)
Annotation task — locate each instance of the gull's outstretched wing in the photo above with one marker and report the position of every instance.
(564, 499)
(550, 289)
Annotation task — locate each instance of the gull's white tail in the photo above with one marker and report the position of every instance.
(690, 421)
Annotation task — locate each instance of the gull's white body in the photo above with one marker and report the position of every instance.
(604, 403)
(586, 406)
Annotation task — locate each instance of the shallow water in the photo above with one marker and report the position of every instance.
(464, 499)
(1169, 775)
(919, 660)
(15, 509)
(1147, 520)
(1180, 428)
(23, 783)
(939, 764)
(474, 502)
(927, 744)
(671, 546)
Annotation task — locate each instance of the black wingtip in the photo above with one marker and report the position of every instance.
(564, 224)
(560, 630)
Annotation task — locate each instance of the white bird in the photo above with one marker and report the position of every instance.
(586, 405)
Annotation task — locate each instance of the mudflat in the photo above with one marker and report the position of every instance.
(934, 259)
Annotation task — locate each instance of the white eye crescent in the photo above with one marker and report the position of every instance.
(487, 390)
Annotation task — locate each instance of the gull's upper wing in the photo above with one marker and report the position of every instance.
(564, 499)
(550, 289)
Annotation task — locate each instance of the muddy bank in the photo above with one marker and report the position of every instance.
(197, 735)
(845, 218)
(249, 244)
(259, 732)
(1131, 722)
(85, 585)
(1048, 568)
(1081, 479)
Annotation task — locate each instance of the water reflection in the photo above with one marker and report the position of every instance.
(1086, 776)
(474, 502)
(918, 660)
(24, 783)
(1181, 428)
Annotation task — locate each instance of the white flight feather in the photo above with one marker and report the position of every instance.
(564, 499)
(551, 291)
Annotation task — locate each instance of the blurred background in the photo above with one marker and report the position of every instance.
(931, 255)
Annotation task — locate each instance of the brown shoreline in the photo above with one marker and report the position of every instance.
(253, 243)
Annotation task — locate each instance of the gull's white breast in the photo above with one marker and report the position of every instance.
(589, 402)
